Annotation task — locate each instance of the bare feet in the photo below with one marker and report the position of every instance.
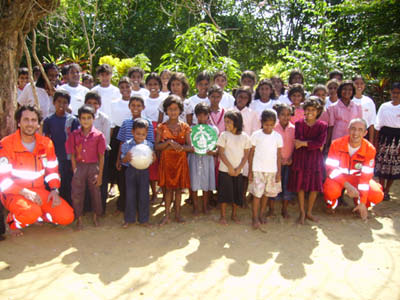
(196, 212)
(263, 220)
(271, 213)
(95, 222)
(79, 225)
(235, 219)
(312, 218)
(301, 219)
(116, 213)
(16, 232)
(146, 224)
(256, 224)
(285, 214)
(165, 220)
(179, 219)
(222, 221)
(125, 225)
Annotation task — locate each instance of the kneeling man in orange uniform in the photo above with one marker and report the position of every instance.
(27, 161)
(350, 166)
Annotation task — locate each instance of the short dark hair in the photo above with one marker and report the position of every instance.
(203, 75)
(104, 68)
(293, 73)
(220, 74)
(172, 99)
(23, 71)
(280, 107)
(86, 109)
(296, 88)
(93, 95)
(342, 85)
(62, 94)
(182, 78)
(135, 70)
(74, 66)
(332, 81)
(87, 77)
(249, 74)
(136, 98)
(314, 101)
(124, 79)
(268, 114)
(21, 109)
(265, 82)
(236, 118)
(246, 90)
(395, 85)
(64, 70)
(320, 87)
(202, 108)
(334, 73)
(155, 76)
(47, 67)
(215, 89)
(140, 123)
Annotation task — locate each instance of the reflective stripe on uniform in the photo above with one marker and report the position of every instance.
(367, 170)
(363, 187)
(5, 184)
(52, 176)
(52, 164)
(27, 175)
(332, 162)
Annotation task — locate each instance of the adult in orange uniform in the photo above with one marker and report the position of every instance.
(350, 166)
(27, 161)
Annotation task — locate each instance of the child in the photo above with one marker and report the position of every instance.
(102, 123)
(136, 75)
(332, 86)
(173, 140)
(264, 166)
(177, 85)
(106, 90)
(88, 81)
(86, 146)
(120, 108)
(215, 94)
(306, 173)
(165, 76)
(233, 151)
(279, 88)
(264, 97)
(227, 101)
(136, 106)
(249, 78)
(202, 84)
(286, 130)
(321, 92)
(296, 96)
(367, 105)
(22, 80)
(296, 76)
(73, 87)
(57, 127)
(202, 172)
(137, 181)
(337, 75)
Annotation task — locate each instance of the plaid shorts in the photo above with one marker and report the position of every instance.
(264, 184)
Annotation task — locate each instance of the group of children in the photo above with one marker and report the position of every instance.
(271, 140)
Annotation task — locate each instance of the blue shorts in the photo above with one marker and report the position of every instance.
(285, 194)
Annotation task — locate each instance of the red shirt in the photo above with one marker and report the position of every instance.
(86, 147)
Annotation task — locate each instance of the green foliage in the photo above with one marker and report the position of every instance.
(196, 51)
(277, 69)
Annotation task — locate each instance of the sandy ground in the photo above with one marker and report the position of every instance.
(339, 258)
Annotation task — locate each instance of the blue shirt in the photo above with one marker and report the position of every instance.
(125, 132)
(57, 129)
(128, 145)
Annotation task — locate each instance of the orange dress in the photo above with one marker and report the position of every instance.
(173, 167)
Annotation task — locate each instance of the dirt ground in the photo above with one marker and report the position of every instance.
(341, 257)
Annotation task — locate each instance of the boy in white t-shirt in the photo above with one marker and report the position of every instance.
(74, 88)
(227, 101)
(264, 166)
(202, 84)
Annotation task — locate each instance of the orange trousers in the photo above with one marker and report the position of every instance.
(333, 190)
(23, 212)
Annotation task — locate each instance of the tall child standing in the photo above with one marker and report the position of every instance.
(86, 146)
(264, 97)
(173, 140)
(227, 101)
(136, 76)
(306, 174)
(202, 84)
(264, 166)
(233, 150)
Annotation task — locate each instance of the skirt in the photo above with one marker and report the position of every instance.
(202, 173)
(387, 161)
(230, 188)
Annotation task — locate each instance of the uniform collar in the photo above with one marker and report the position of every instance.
(19, 147)
(344, 146)
(92, 131)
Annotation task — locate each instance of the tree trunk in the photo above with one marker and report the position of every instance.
(17, 19)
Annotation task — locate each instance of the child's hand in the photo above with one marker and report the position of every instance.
(231, 171)
(298, 144)
(278, 177)
(237, 171)
(98, 180)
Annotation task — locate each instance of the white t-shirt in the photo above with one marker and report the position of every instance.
(45, 101)
(234, 146)
(151, 108)
(227, 101)
(191, 104)
(120, 112)
(142, 92)
(165, 94)
(368, 109)
(265, 153)
(284, 99)
(77, 96)
(388, 115)
(353, 150)
(259, 106)
(329, 102)
(107, 94)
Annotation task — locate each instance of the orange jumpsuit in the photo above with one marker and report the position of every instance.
(20, 169)
(356, 170)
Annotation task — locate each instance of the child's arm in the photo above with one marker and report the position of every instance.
(99, 179)
(160, 117)
(318, 141)
(224, 159)
(189, 119)
(188, 143)
(251, 156)
(73, 162)
(212, 152)
(118, 162)
(245, 158)
(159, 145)
(278, 164)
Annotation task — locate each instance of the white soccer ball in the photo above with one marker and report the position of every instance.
(142, 156)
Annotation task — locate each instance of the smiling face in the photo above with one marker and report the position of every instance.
(173, 111)
(154, 87)
(61, 105)
(74, 77)
(268, 126)
(136, 108)
(105, 79)
(29, 123)
(52, 74)
(229, 125)
(265, 92)
(93, 103)
(177, 88)
(395, 95)
(278, 85)
(86, 120)
(296, 98)
(332, 90)
(164, 79)
(215, 98)
(202, 88)
(139, 134)
(241, 100)
(221, 82)
(310, 114)
(357, 131)
(347, 93)
(22, 81)
(360, 86)
(284, 117)
(136, 79)
(321, 94)
(125, 90)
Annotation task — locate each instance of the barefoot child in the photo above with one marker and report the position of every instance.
(137, 181)
(306, 174)
(286, 130)
(202, 171)
(264, 165)
(233, 149)
(173, 140)
(86, 146)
